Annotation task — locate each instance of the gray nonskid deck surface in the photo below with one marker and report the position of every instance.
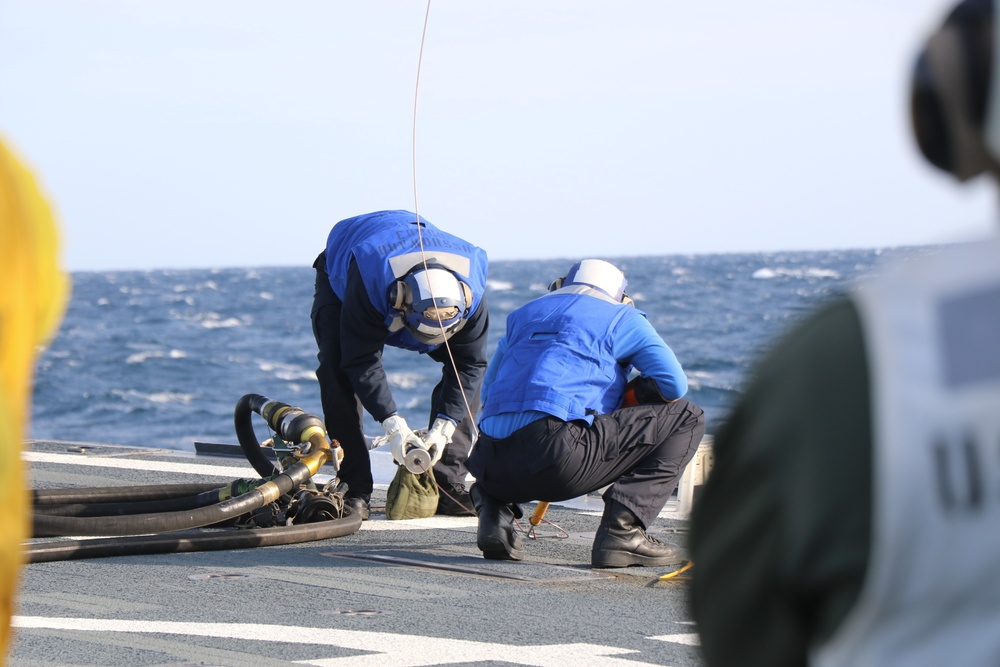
(393, 593)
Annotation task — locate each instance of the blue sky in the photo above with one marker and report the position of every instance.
(177, 134)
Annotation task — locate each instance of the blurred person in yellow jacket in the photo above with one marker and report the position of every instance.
(33, 294)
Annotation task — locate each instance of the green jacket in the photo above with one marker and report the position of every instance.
(780, 533)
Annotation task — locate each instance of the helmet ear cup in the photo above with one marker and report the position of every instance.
(399, 295)
(467, 295)
(557, 284)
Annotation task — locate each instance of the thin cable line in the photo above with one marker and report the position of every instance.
(416, 98)
(416, 210)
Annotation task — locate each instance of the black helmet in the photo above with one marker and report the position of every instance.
(955, 117)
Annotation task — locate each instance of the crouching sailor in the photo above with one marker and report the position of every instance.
(381, 281)
(553, 426)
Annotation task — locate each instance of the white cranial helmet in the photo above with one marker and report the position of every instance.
(434, 303)
(600, 275)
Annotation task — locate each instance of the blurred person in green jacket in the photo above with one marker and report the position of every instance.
(852, 516)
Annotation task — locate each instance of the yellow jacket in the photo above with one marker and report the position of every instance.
(33, 295)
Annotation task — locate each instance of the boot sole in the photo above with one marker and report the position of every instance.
(621, 559)
(495, 549)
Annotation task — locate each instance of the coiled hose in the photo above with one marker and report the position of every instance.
(135, 512)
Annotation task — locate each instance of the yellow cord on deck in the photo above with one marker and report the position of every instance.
(673, 575)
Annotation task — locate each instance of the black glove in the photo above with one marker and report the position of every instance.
(642, 391)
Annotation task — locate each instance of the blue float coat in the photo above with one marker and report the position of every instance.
(385, 245)
(568, 355)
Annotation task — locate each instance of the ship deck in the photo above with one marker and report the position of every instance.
(399, 593)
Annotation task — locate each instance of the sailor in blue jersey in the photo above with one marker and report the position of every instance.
(553, 426)
(375, 286)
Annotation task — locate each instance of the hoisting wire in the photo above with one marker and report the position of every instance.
(537, 517)
(416, 210)
(413, 134)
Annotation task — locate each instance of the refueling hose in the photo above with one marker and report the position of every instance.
(106, 494)
(131, 500)
(183, 542)
(292, 425)
(140, 511)
(46, 525)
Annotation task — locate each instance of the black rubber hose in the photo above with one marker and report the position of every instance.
(139, 507)
(118, 494)
(45, 525)
(140, 524)
(245, 407)
(44, 552)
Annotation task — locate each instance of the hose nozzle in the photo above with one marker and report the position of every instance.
(417, 460)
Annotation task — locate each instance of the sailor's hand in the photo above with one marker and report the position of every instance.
(438, 437)
(642, 390)
(400, 437)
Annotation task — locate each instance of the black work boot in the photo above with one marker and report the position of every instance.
(454, 500)
(359, 505)
(496, 537)
(354, 503)
(621, 541)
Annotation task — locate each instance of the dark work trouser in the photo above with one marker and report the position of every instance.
(450, 471)
(342, 409)
(641, 451)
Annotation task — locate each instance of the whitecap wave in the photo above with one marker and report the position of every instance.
(698, 379)
(141, 357)
(287, 372)
(410, 405)
(405, 380)
(823, 273)
(216, 321)
(156, 397)
(767, 273)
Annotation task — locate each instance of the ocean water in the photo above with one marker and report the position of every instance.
(160, 358)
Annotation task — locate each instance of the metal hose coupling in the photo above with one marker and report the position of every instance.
(293, 425)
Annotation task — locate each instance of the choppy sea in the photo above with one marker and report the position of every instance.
(159, 358)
